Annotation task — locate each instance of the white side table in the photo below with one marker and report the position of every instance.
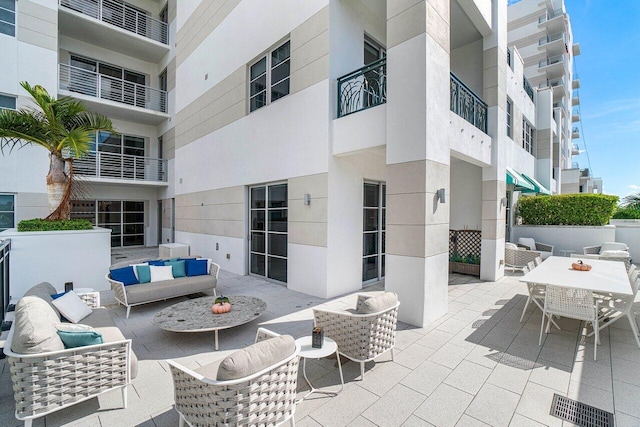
(329, 347)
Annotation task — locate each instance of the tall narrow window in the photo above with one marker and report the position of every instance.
(7, 211)
(509, 118)
(162, 80)
(8, 17)
(528, 133)
(373, 232)
(7, 102)
(372, 50)
(269, 77)
(164, 14)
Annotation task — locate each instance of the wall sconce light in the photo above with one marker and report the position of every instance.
(441, 196)
(307, 199)
(503, 201)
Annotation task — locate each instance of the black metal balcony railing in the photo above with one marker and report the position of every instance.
(467, 104)
(363, 88)
(5, 249)
(121, 166)
(527, 87)
(121, 15)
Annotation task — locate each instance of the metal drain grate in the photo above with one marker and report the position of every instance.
(580, 413)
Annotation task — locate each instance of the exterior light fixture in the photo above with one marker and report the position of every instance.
(441, 196)
(307, 199)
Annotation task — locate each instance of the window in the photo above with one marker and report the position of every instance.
(162, 80)
(269, 77)
(7, 102)
(509, 118)
(7, 211)
(164, 14)
(125, 219)
(373, 232)
(372, 50)
(8, 17)
(527, 136)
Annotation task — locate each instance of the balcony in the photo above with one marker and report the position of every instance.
(363, 88)
(553, 65)
(575, 150)
(575, 83)
(575, 100)
(116, 26)
(527, 87)
(100, 166)
(575, 116)
(554, 44)
(119, 98)
(552, 17)
(468, 105)
(575, 133)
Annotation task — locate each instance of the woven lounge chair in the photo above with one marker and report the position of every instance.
(365, 333)
(518, 258)
(265, 398)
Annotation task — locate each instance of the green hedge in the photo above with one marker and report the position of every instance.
(567, 209)
(626, 212)
(48, 225)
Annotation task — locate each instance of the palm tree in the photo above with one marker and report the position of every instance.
(632, 201)
(60, 126)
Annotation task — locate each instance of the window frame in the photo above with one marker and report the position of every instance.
(509, 112)
(13, 212)
(12, 97)
(15, 19)
(269, 84)
(528, 136)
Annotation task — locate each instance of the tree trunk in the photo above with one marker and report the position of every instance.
(57, 183)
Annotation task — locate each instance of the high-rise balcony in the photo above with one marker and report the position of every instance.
(112, 96)
(575, 83)
(468, 105)
(527, 87)
(575, 133)
(553, 44)
(363, 88)
(575, 150)
(553, 65)
(102, 167)
(116, 26)
(575, 116)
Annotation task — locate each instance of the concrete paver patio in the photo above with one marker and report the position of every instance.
(477, 365)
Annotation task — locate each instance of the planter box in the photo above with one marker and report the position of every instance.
(464, 268)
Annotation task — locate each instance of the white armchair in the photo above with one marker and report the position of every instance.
(529, 243)
(518, 258)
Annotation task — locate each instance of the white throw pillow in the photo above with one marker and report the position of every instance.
(72, 327)
(509, 245)
(159, 273)
(613, 246)
(135, 270)
(72, 307)
(614, 254)
(528, 242)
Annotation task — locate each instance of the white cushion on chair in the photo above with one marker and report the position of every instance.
(616, 254)
(72, 307)
(545, 254)
(509, 245)
(613, 246)
(528, 242)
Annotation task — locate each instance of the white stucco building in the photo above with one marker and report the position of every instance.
(324, 144)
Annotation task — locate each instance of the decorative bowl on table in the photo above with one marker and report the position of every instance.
(580, 266)
(221, 305)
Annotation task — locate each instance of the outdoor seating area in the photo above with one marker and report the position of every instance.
(477, 365)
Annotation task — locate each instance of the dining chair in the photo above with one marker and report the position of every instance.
(632, 269)
(538, 261)
(531, 265)
(536, 296)
(572, 303)
(619, 306)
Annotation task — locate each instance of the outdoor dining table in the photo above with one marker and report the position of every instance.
(603, 278)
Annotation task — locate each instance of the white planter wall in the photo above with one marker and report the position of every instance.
(566, 237)
(628, 231)
(82, 257)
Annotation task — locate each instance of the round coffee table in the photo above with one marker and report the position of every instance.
(195, 315)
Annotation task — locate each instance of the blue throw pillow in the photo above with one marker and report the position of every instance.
(178, 268)
(144, 273)
(157, 262)
(56, 296)
(196, 267)
(80, 338)
(124, 275)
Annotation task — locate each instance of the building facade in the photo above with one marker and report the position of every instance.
(324, 145)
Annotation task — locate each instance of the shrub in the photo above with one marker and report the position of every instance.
(567, 209)
(467, 259)
(626, 212)
(38, 224)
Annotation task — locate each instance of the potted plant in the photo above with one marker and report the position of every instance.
(464, 264)
(59, 126)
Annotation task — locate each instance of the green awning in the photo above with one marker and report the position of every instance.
(537, 187)
(515, 179)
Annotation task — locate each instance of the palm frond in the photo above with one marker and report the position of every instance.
(22, 127)
(632, 201)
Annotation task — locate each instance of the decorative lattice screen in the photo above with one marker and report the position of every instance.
(465, 242)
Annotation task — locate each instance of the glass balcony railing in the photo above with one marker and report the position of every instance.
(90, 83)
(549, 15)
(121, 166)
(468, 105)
(363, 88)
(527, 87)
(121, 15)
(550, 38)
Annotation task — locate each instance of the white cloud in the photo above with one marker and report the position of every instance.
(634, 187)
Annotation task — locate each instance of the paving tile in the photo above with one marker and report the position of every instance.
(358, 422)
(468, 377)
(626, 398)
(591, 396)
(626, 371)
(412, 356)
(522, 421)
(405, 338)
(593, 374)
(444, 406)
(484, 356)
(561, 356)
(509, 378)
(625, 420)
(340, 410)
(395, 407)
(467, 421)
(380, 380)
(414, 421)
(435, 339)
(493, 405)
(551, 375)
(536, 403)
(449, 355)
(426, 377)
(453, 326)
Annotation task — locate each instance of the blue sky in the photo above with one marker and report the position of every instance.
(609, 71)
